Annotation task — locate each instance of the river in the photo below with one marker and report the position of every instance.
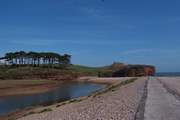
(65, 92)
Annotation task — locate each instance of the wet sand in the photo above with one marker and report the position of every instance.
(25, 87)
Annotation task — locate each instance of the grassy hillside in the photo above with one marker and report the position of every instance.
(36, 73)
(108, 71)
(71, 71)
(97, 71)
(115, 70)
(43, 72)
(55, 72)
(84, 70)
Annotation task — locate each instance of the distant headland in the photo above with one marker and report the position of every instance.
(50, 65)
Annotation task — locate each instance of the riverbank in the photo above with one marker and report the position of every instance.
(114, 102)
(102, 80)
(26, 87)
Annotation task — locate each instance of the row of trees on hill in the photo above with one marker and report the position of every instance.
(36, 58)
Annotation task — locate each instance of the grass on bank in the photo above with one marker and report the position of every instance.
(84, 70)
(27, 72)
(42, 72)
(113, 87)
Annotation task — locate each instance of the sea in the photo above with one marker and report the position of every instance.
(168, 74)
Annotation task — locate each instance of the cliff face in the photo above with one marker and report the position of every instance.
(128, 71)
(135, 71)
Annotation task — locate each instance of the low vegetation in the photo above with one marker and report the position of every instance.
(37, 73)
(84, 70)
(45, 110)
(114, 87)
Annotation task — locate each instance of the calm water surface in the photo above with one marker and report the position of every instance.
(168, 74)
(65, 92)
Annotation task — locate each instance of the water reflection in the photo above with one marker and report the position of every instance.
(65, 92)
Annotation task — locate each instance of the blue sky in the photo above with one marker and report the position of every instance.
(94, 32)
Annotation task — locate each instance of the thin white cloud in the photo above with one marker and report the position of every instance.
(33, 42)
(74, 42)
(136, 51)
(160, 51)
